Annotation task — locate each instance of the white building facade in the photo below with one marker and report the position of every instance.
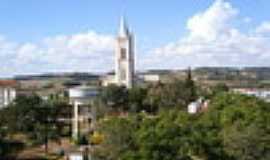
(7, 92)
(194, 107)
(7, 95)
(198, 106)
(79, 97)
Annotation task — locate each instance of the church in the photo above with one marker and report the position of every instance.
(124, 73)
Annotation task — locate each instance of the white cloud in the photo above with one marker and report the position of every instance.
(212, 40)
(216, 19)
(79, 52)
(264, 28)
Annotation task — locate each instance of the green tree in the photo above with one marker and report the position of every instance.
(154, 97)
(115, 97)
(220, 87)
(241, 123)
(247, 143)
(136, 98)
(119, 136)
(33, 117)
(175, 94)
(190, 88)
(21, 115)
(45, 125)
(171, 135)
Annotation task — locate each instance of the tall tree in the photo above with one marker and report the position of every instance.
(190, 87)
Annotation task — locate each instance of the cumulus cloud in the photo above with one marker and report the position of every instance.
(209, 24)
(264, 28)
(212, 40)
(79, 52)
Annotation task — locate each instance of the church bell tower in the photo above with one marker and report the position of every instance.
(124, 56)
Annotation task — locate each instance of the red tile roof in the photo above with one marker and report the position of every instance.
(9, 83)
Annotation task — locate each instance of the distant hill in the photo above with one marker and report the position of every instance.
(231, 73)
(74, 76)
(239, 77)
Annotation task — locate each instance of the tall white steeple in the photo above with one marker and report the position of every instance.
(123, 29)
(124, 56)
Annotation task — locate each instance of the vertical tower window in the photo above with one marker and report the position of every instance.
(123, 53)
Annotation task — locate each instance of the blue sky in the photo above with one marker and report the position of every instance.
(159, 20)
(33, 32)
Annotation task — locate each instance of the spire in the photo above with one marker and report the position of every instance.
(123, 32)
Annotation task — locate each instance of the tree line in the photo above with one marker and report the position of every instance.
(149, 98)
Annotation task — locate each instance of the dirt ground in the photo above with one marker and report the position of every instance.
(38, 152)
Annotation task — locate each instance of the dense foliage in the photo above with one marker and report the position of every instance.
(235, 127)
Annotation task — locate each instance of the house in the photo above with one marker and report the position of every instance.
(198, 106)
(194, 107)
